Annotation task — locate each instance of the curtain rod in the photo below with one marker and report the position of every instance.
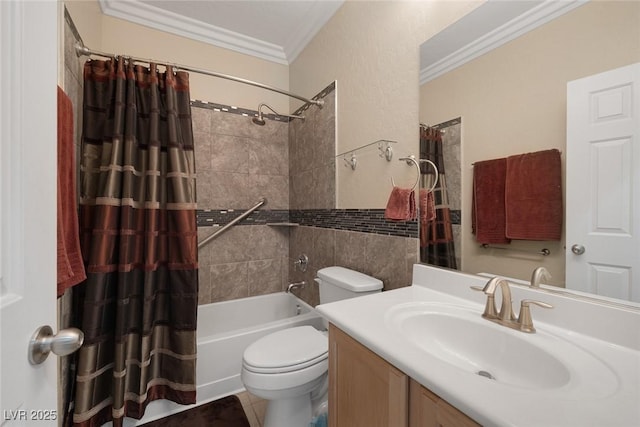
(82, 50)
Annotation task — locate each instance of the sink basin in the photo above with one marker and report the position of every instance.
(461, 338)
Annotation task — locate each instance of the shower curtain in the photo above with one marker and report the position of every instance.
(436, 236)
(138, 232)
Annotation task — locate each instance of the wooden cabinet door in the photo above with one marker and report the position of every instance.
(364, 389)
(428, 410)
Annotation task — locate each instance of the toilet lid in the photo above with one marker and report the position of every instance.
(287, 350)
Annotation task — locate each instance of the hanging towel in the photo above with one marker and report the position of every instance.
(401, 205)
(70, 264)
(533, 196)
(427, 205)
(488, 204)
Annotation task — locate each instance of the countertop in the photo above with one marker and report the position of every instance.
(609, 396)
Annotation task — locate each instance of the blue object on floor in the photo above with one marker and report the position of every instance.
(319, 421)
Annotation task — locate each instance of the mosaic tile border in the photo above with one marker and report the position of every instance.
(324, 92)
(362, 220)
(72, 26)
(254, 113)
(456, 215)
(236, 110)
(211, 218)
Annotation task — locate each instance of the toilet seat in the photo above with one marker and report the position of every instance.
(287, 350)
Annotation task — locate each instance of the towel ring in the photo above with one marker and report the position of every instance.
(411, 159)
(437, 174)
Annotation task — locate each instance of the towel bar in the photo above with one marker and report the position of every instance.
(543, 251)
(231, 223)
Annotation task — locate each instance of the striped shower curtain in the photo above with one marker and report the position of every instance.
(436, 236)
(138, 232)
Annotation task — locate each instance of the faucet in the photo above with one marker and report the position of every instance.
(538, 275)
(505, 316)
(295, 285)
(506, 311)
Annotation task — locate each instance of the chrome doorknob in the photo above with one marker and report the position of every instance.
(43, 342)
(577, 249)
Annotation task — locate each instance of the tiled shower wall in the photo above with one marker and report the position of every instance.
(451, 141)
(237, 163)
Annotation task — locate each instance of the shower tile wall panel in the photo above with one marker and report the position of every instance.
(312, 157)
(237, 163)
(452, 164)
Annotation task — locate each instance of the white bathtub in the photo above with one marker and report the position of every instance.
(225, 329)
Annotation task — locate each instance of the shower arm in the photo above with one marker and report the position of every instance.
(82, 50)
(231, 223)
(291, 116)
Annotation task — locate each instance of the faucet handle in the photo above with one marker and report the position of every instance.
(524, 318)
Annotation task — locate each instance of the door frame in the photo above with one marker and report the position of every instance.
(28, 89)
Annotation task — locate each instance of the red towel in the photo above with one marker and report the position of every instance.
(401, 205)
(533, 196)
(427, 205)
(70, 264)
(488, 204)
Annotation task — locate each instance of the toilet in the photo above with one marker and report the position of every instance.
(289, 367)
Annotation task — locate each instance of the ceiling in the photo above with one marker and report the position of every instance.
(278, 30)
(275, 30)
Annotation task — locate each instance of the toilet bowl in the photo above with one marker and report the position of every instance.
(289, 368)
(286, 374)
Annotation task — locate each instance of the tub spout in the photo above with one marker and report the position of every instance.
(295, 285)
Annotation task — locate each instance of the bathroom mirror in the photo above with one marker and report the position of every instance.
(511, 97)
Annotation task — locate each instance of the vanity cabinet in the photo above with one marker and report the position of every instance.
(366, 391)
(428, 410)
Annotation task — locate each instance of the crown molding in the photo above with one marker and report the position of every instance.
(159, 19)
(317, 17)
(535, 17)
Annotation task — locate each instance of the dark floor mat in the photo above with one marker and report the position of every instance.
(225, 412)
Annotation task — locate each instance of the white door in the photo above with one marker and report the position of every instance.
(28, 79)
(603, 184)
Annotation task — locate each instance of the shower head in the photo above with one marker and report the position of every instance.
(260, 121)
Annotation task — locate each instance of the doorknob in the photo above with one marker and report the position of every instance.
(577, 249)
(43, 342)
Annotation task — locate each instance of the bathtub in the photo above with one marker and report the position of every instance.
(225, 329)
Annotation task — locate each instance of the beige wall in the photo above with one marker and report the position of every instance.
(113, 35)
(513, 100)
(371, 49)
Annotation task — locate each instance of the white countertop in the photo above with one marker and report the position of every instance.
(616, 402)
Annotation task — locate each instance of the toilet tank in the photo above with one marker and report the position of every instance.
(338, 283)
